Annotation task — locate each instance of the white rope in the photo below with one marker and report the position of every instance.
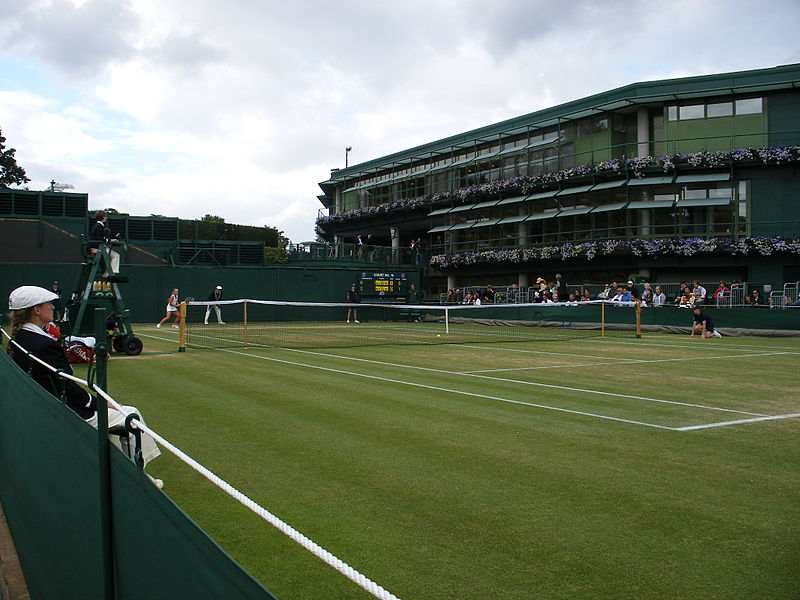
(345, 569)
(317, 550)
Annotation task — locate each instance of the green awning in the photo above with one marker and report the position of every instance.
(610, 207)
(540, 216)
(688, 202)
(515, 219)
(703, 177)
(608, 185)
(650, 204)
(461, 208)
(438, 229)
(465, 225)
(513, 200)
(541, 195)
(578, 210)
(487, 222)
(575, 190)
(651, 180)
(487, 204)
(439, 211)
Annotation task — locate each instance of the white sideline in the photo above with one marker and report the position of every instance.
(505, 380)
(725, 423)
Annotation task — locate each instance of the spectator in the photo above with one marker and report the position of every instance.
(413, 295)
(703, 324)
(353, 297)
(722, 294)
(513, 293)
(459, 296)
(359, 243)
(32, 313)
(659, 297)
(489, 294)
(451, 296)
(561, 286)
(681, 293)
(756, 299)
(607, 291)
(687, 300)
(369, 248)
(699, 292)
(587, 295)
(541, 283)
(631, 289)
(647, 295)
(58, 307)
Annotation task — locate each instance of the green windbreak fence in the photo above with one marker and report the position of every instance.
(49, 487)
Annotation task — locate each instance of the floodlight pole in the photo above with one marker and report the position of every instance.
(346, 154)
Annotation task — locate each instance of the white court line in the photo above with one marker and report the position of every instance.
(448, 390)
(533, 383)
(693, 345)
(630, 361)
(739, 422)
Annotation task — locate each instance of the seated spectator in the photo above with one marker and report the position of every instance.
(554, 296)
(722, 294)
(687, 300)
(587, 295)
(513, 293)
(607, 293)
(647, 295)
(631, 289)
(699, 292)
(659, 297)
(681, 293)
(488, 295)
(756, 299)
(31, 317)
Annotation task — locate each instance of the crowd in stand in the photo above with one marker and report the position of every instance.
(554, 291)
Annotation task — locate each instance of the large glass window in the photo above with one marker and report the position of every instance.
(749, 106)
(692, 111)
(720, 109)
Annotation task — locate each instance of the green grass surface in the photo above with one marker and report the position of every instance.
(437, 483)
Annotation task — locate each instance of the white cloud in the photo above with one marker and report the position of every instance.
(239, 108)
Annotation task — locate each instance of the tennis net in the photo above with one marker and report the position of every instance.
(269, 323)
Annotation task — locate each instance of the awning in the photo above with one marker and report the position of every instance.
(578, 210)
(486, 204)
(651, 180)
(439, 211)
(487, 222)
(703, 177)
(513, 200)
(610, 207)
(608, 185)
(543, 215)
(514, 219)
(541, 195)
(575, 190)
(688, 202)
(461, 208)
(439, 229)
(465, 225)
(650, 204)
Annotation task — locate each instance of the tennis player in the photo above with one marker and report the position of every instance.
(353, 297)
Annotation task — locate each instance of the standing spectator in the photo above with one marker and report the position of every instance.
(369, 248)
(413, 294)
(722, 294)
(58, 307)
(659, 297)
(214, 296)
(359, 243)
(703, 324)
(353, 297)
(561, 286)
(699, 292)
(172, 310)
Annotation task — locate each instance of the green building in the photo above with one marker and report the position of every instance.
(671, 180)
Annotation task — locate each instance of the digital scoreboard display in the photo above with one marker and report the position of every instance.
(392, 284)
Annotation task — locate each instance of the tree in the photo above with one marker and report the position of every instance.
(10, 172)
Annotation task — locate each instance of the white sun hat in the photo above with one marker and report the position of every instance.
(29, 295)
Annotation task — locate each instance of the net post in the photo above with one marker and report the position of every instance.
(638, 318)
(244, 320)
(602, 319)
(446, 320)
(182, 335)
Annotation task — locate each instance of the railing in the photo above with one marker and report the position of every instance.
(382, 255)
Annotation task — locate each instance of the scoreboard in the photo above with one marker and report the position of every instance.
(386, 284)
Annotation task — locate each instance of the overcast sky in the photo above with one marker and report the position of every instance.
(240, 108)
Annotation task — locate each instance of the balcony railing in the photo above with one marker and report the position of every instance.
(354, 253)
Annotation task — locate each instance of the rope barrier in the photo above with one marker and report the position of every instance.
(317, 550)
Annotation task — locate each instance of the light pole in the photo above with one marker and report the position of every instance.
(346, 153)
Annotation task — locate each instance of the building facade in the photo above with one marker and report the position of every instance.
(673, 179)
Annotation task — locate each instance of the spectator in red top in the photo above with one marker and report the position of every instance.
(722, 294)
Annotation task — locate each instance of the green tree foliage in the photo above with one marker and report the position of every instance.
(10, 172)
(212, 227)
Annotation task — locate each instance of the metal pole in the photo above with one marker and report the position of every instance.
(104, 458)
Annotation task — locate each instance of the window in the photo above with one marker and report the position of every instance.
(721, 109)
(672, 113)
(692, 111)
(749, 106)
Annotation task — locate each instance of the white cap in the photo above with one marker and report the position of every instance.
(219, 287)
(29, 295)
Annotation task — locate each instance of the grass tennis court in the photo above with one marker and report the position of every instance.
(663, 467)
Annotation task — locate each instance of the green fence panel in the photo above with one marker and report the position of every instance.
(49, 491)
